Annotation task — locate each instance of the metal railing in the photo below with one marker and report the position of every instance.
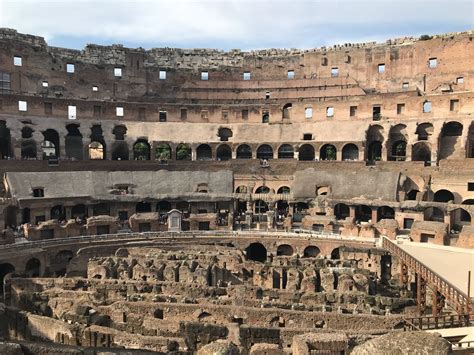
(438, 322)
(448, 290)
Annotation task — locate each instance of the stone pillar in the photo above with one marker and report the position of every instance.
(408, 152)
(374, 214)
(339, 155)
(420, 294)
(384, 154)
(152, 151)
(296, 154)
(352, 211)
(193, 153)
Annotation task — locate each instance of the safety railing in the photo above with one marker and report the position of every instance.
(448, 290)
(439, 322)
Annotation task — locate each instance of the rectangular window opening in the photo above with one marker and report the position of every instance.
(265, 117)
(376, 112)
(453, 105)
(426, 106)
(329, 111)
(184, 113)
(307, 136)
(405, 85)
(48, 108)
(71, 112)
(70, 68)
(267, 95)
(97, 111)
(204, 114)
(118, 72)
(17, 61)
(247, 75)
(245, 114)
(460, 80)
(470, 186)
(162, 75)
(22, 106)
(141, 113)
(400, 109)
(204, 75)
(352, 111)
(381, 68)
(45, 84)
(119, 111)
(334, 72)
(162, 117)
(433, 63)
(95, 88)
(291, 74)
(308, 112)
(225, 115)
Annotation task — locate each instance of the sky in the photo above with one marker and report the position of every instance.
(229, 24)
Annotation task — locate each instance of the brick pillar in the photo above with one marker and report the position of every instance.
(374, 214)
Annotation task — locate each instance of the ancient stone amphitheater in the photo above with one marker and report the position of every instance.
(205, 202)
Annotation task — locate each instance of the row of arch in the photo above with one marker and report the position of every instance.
(258, 252)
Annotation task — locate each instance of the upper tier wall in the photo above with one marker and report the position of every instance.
(406, 61)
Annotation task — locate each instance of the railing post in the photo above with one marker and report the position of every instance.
(420, 294)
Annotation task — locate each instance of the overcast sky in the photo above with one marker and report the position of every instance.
(227, 24)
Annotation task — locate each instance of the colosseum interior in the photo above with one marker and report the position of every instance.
(206, 202)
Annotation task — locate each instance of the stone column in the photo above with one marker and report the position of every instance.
(374, 214)
(352, 211)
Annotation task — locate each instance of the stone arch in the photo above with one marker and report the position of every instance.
(120, 150)
(284, 250)
(363, 213)
(263, 190)
(399, 151)
(5, 141)
(163, 206)
(286, 111)
(459, 218)
(242, 189)
(60, 262)
(424, 131)
(96, 151)
(204, 152)
(412, 195)
(336, 254)
(450, 141)
(311, 251)
(143, 207)
(141, 150)
(341, 211)
(183, 152)
(286, 151)
(433, 214)
(327, 152)
(28, 149)
(284, 190)
(79, 210)
(5, 269)
(58, 212)
(224, 152)
(224, 133)
(306, 152)
(265, 152)
(256, 252)
(163, 151)
(374, 138)
(385, 212)
(397, 141)
(33, 268)
(244, 152)
(350, 152)
(443, 195)
(421, 151)
(73, 142)
(50, 145)
(119, 132)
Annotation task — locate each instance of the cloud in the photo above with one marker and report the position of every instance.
(231, 24)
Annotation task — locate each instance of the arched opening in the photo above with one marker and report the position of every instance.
(256, 252)
(282, 210)
(421, 152)
(120, 150)
(374, 152)
(284, 250)
(374, 139)
(284, 190)
(350, 152)
(182, 206)
(165, 206)
(363, 213)
(459, 218)
(50, 145)
(163, 151)
(60, 262)
(224, 152)
(306, 152)
(224, 134)
(265, 152)
(443, 196)
(79, 211)
(183, 152)
(204, 152)
(341, 211)
(101, 209)
(411, 195)
(262, 190)
(143, 207)
(5, 269)
(244, 152)
(311, 252)
(433, 214)
(261, 207)
(241, 189)
(28, 149)
(327, 152)
(286, 151)
(399, 151)
(141, 150)
(424, 131)
(96, 151)
(10, 216)
(450, 143)
(286, 111)
(470, 142)
(58, 212)
(74, 147)
(119, 132)
(5, 141)
(385, 212)
(32, 268)
(335, 254)
(97, 136)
